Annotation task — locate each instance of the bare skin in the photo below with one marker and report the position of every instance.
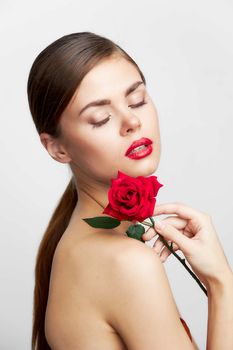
(95, 155)
(101, 278)
(84, 312)
(78, 306)
(193, 233)
(80, 314)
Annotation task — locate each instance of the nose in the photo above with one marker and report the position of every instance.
(130, 123)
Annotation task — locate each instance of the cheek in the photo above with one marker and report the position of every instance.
(95, 158)
(151, 121)
(153, 128)
(93, 148)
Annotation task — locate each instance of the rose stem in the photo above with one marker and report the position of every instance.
(177, 256)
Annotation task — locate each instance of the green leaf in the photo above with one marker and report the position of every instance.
(102, 222)
(136, 231)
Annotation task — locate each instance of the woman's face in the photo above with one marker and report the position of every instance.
(95, 143)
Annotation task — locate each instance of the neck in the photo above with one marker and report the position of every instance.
(92, 205)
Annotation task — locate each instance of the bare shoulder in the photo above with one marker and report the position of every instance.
(133, 263)
(144, 307)
(123, 282)
(88, 264)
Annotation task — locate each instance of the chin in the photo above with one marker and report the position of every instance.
(149, 167)
(143, 169)
(150, 170)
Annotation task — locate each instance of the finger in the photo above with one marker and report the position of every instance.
(173, 245)
(180, 209)
(149, 234)
(172, 234)
(165, 254)
(178, 223)
(158, 245)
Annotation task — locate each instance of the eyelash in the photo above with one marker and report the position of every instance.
(140, 104)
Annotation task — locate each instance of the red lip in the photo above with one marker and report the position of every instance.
(143, 141)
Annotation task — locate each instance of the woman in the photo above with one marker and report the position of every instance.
(98, 288)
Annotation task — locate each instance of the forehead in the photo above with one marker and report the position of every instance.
(110, 76)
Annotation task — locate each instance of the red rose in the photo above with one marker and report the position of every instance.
(132, 198)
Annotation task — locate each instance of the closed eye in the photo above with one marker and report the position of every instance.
(139, 104)
(102, 122)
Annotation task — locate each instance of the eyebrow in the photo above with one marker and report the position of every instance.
(103, 102)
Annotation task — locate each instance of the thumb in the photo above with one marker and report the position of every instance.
(170, 233)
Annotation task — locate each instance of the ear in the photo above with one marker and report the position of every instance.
(54, 148)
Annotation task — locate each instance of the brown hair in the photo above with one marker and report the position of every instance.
(53, 79)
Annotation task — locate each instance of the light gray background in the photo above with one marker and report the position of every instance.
(185, 51)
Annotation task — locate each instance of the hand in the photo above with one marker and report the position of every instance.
(193, 233)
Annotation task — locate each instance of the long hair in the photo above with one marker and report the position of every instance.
(53, 79)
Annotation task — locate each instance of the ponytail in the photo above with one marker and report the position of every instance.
(55, 229)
